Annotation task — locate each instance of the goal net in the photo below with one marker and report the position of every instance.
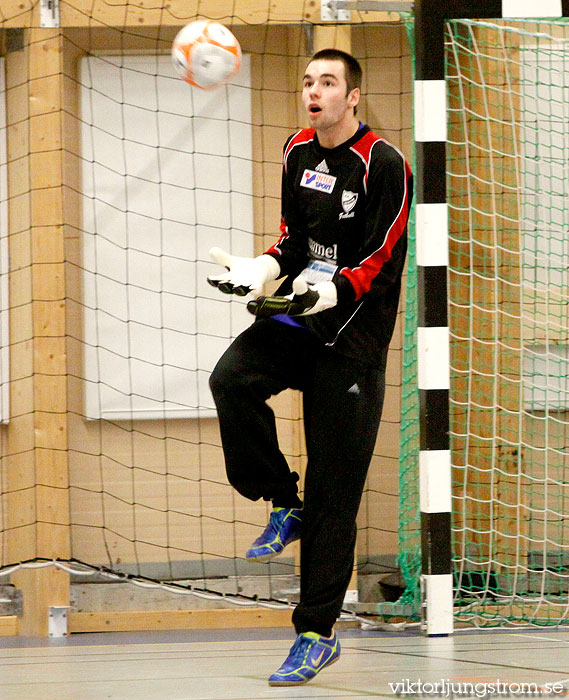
(507, 181)
(115, 180)
(111, 448)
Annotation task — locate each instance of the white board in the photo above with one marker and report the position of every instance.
(167, 174)
(544, 179)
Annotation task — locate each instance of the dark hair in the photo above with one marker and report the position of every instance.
(352, 68)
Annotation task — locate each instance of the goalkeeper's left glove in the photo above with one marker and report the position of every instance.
(305, 300)
(243, 275)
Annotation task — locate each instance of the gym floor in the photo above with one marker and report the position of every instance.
(235, 664)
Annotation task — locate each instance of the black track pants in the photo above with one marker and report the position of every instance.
(342, 410)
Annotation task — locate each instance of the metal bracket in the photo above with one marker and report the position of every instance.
(352, 596)
(14, 39)
(330, 12)
(49, 13)
(58, 626)
(308, 33)
(11, 601)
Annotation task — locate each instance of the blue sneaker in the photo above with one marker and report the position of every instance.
(308, 656)
(283, 528)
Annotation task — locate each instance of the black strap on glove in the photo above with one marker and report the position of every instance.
(229, 288)
(265, 307)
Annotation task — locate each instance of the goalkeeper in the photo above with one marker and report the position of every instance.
(345, 202)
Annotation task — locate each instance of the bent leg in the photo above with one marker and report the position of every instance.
(265, 359)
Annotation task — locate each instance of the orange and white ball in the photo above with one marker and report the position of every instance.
(206, 54)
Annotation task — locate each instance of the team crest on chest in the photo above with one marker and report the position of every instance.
(349, 200)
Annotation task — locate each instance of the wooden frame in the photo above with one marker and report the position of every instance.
(41, 192)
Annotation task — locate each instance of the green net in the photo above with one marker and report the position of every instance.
(507, 156)
(508, 286)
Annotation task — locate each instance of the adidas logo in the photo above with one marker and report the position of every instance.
(322, 167)
(354, 389)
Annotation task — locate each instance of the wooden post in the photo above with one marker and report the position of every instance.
(490, 332)
(36, 461)
(338, 36)
(333, 36)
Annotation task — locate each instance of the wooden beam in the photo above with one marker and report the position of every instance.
(337, 36)
(37, 432)
(497, 529)
(8, 626)
(135, 620)
(537, 612)
(41, 589)
(162, 13)
(333, 36)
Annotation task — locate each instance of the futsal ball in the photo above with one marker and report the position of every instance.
(206, 54)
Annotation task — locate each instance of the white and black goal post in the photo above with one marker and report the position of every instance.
(432, 263)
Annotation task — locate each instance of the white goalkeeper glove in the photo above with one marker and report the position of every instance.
(243, 275)
(305, 300)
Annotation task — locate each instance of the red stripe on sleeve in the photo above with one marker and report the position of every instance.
(363, 149)
(284, 234)
(302, 136)
(362, 276)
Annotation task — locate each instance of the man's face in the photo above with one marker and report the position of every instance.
(324, 94)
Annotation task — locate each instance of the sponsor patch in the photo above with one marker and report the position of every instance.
(318, 271)
(318, 181)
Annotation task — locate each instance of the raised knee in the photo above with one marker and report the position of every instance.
(218, 379)
(224, 377)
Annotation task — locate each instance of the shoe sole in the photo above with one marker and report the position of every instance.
(286, 683)
(267, 557)
(263, 558)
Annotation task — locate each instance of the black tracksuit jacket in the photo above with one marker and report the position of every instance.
(346, 209)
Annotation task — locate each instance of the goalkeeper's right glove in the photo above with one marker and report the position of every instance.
(305, 300)
(243, 275)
